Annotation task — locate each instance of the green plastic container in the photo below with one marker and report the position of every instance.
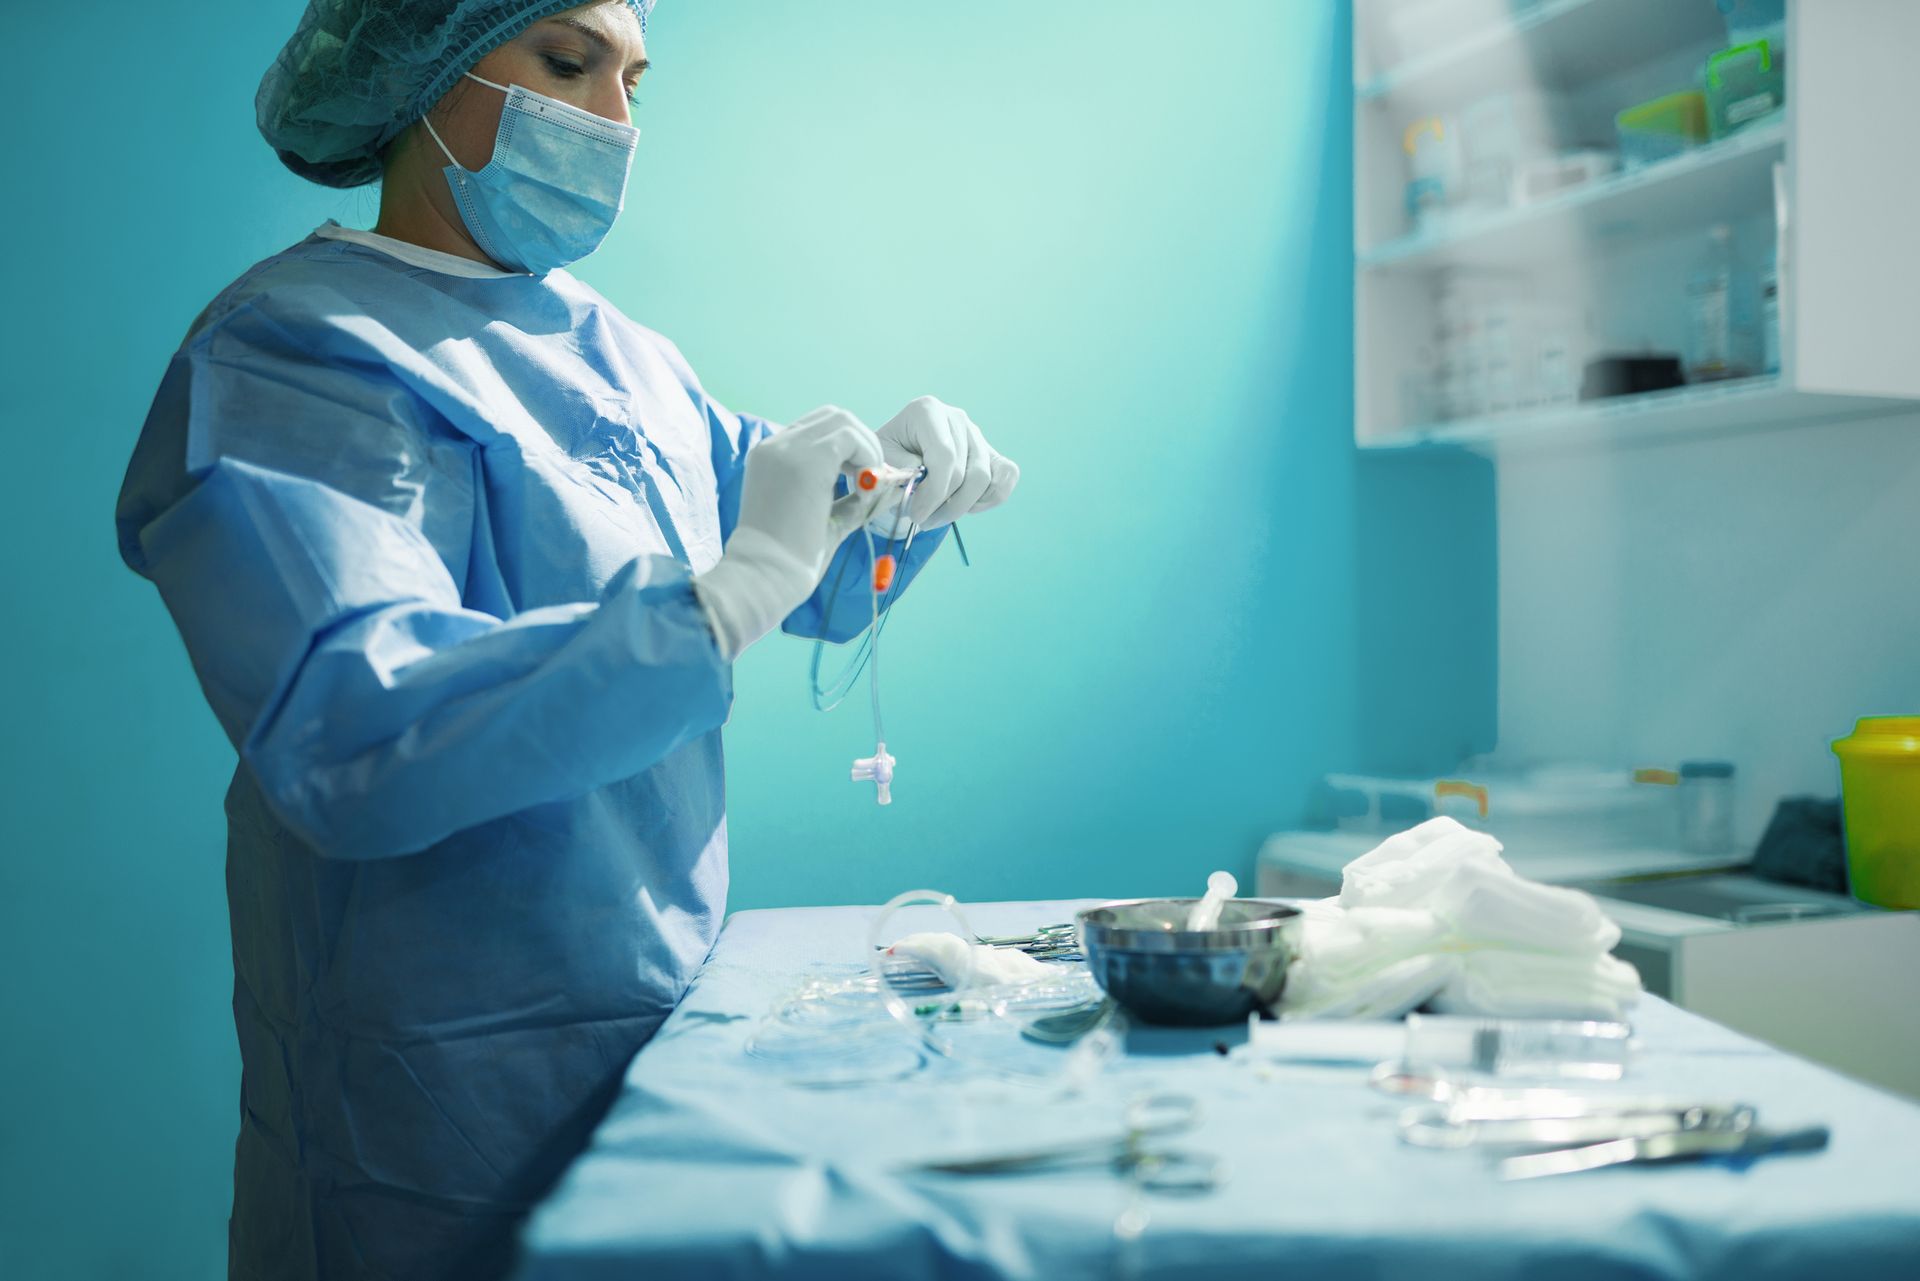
(1746, 85)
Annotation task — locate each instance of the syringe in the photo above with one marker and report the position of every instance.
(871, 478)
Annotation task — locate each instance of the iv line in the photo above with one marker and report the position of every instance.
(877, 768)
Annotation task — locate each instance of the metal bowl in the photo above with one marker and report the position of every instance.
(1144, 957)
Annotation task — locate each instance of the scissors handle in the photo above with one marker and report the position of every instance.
(1173, 1173)
(1166, 1113)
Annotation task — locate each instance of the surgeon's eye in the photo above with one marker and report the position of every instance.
(563, 69)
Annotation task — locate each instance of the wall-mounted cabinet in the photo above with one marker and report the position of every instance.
(1600, 219)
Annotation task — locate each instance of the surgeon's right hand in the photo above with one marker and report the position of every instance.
(789, 525)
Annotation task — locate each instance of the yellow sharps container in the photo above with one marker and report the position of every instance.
(1880, 791)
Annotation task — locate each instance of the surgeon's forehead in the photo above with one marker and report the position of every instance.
(609, 23)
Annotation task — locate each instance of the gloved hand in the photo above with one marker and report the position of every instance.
(790, 523)
(964, 474)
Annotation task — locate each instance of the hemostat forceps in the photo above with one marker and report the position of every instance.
(1048, 943)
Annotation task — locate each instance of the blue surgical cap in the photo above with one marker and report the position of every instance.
(357, 72)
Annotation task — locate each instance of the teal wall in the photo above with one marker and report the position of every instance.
(1117, 235)
(1116, 232)
(137, 190)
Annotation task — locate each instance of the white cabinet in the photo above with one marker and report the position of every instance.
(1503, 243)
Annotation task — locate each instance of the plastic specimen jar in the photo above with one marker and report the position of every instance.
(1706, 807)
(1880, 794)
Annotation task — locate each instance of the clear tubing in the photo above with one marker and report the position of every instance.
(873, 560)
(873, 652)
(831, 695)
(876, 962)
(974, 1002)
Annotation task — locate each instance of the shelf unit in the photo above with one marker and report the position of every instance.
(1705, 409)
(1811, 185)
(1717, 182)
(1567, 41)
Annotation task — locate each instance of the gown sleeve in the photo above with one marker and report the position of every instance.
(309, 530)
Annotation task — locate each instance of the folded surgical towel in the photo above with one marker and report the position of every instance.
(1526, 985)
(949, 956)
(1434, 914)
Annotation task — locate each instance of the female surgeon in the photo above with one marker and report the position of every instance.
(462, 557)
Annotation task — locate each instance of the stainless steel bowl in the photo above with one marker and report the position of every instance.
(1142, 954)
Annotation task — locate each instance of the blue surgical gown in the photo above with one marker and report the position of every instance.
(428, 537)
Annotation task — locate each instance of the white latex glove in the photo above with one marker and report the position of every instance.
(964, 474)
(789, 525)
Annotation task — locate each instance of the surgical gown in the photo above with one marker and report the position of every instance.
(428, 532)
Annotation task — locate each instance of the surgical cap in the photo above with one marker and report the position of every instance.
(357, 72)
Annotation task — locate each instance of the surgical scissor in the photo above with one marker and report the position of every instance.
(1130, 1153)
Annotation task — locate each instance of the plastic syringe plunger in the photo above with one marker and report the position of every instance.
(877, 769)
(1205, 914)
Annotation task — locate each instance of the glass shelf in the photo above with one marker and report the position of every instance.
(1712, 183)
(1567, 42)
(1700, 410)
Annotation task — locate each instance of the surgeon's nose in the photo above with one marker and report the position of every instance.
(609, 101)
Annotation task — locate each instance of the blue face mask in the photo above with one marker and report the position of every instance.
(557, 180)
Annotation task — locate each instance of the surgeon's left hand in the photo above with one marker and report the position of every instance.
(964, 474)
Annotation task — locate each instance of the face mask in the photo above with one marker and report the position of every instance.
(557, 180)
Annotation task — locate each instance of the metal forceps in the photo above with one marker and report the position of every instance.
(1676, 1146)
(1132, 1153)
(1442, 1127)
(1048, 943)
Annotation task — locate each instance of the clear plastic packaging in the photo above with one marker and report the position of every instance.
(1547, 1048)
(1011, 1030)
(891, 1015)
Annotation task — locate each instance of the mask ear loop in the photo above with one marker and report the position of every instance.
(427, 120)
(444, 149)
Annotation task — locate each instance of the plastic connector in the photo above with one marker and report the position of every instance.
(878, 770)
(872, 478)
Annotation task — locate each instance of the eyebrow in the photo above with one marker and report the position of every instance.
(596, 35)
